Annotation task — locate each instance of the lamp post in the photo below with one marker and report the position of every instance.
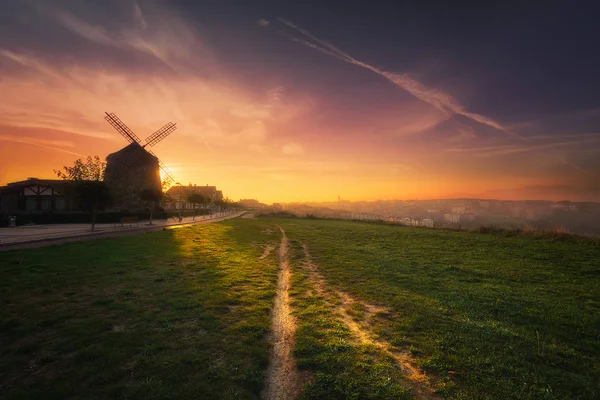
(181, 203)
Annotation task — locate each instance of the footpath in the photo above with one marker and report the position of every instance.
(44, 235)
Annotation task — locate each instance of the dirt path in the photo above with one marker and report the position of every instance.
(283, 379)
(268, 249)
(342, 303)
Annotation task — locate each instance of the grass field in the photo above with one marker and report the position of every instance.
(382, 312)
(169, 314)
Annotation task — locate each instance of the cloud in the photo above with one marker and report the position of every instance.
(492, 151)
(263, 22)
(138, 16)
(206, 114)
(437, 98)
(31, 62)
(47, 144)
(168, 39)
(292, 149)
(82, 28)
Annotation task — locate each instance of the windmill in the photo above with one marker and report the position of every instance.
(134, 168)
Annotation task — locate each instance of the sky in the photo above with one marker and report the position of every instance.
(305, 101)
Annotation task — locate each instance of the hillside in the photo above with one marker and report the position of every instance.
(252, 308)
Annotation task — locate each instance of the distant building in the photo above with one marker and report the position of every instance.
(454, 218)
(458, 209)
(465, 217)
(179, 194)
(427, 222)
(252, 204)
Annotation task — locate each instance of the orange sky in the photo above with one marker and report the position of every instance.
(377, 135)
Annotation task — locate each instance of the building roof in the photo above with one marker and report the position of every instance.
(207, 191)
(31, 181)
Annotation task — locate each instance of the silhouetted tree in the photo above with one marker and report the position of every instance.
(84, 184)
(92, 169)
(152, 196)
(195, 198)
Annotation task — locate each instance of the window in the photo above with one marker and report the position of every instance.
(30, 204)
(60, 204)
(46, 204)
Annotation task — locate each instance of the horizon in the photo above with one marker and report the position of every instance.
(282, 103)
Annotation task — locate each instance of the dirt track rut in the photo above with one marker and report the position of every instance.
(283, 378)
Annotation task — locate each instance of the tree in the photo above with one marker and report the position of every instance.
(151, 195)
(229, 204)
(195, 198)
(84, 184)
(92, 169)
(221, 204)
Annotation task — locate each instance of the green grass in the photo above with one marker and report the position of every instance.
(185, 313)
(342, 368)
(173, 314)
(512, 317)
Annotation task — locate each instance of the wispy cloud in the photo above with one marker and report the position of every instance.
(492, 151)
(138, 16)
(292, 149)
(31, 62)
(95, 33)
(47, 144)
(168, 39)
(437, 98)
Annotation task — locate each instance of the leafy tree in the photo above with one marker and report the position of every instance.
(222, 204)
(195, 198)
(230, 204)
(84, 184)
(92, 169)
(152, 196)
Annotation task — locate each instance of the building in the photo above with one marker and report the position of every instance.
(458, 209)
(467, 217)
(34, 196)
(454, 218)
(251, 204)
(427, 222)
(179, 194)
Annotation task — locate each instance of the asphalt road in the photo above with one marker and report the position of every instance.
(46, 235)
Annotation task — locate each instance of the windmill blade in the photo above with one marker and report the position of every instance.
(168, 175)
(122, 128)
(160, 134)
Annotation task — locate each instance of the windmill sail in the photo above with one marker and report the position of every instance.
(160, 134)
(122, 128)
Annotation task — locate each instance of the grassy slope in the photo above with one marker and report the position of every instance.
(174, 314)
(342, 368)
(510, 317)
(185, 312)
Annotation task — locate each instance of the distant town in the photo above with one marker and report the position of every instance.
(42, 197)
(574, 217)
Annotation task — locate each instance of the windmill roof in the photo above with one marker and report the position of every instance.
(129, 150)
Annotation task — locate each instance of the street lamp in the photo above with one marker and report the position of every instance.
(181, 203)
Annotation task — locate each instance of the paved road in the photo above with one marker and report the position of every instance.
(44, 235)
